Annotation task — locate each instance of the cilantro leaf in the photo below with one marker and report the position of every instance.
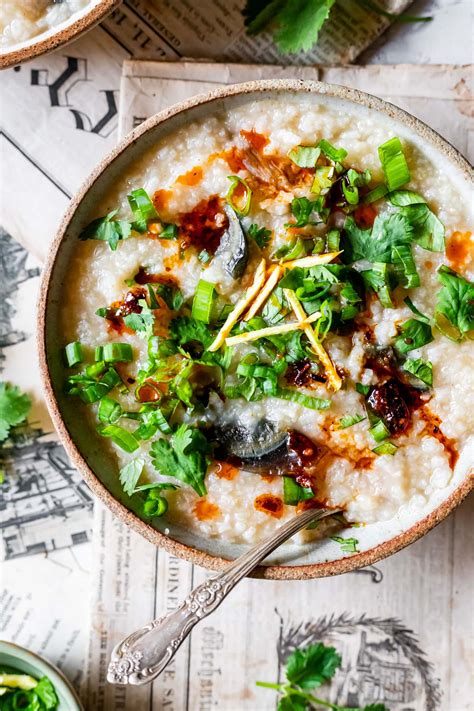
(185, 457)
(428, 230)
(130, 474)
(107, 230)
(290, 702)
(312, 666)
(304, 209)
(413, 334)
(299, 24)
(260, 235)
(376, 245)
(455, 304)
(185, 330)
(142, 322)
(14, 408)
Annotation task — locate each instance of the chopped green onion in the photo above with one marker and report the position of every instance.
(348, 545)
(362, 389)
(378, 278)
(293, 493)
(73, 353)
(169, 231)
(423, 370)
(405, 266)
(155, 506)
(120, 436)
(323, 180)
(142, 208)
(109, 410)
(313, 403)
(350, 420)
(394, 163)
(99, 353)
(335, 154)
(385, 448)
(94, 370)
(203, 300)
(351, 193)
(376, 194)
(304, 156)
(245, 207)
(333, 238)
(379, 431)
(117, 352)
(294, 250)
(102, 312)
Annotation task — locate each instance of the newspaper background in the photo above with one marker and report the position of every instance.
(397, 646)
(72, 96)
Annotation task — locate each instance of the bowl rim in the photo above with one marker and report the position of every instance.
(53, 41)
(41, 663)
(182, 550)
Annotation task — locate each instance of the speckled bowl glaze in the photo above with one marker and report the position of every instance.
(58, 36)
(88, 453)
(26, 662)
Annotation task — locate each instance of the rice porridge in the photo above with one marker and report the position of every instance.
(21, 21)
(273, 311)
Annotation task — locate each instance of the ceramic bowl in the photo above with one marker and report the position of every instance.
(26, 662)
(57, 36)
(88, 453)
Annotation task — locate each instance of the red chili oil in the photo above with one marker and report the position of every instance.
(203, 226)
(205, 510)
(269, 504)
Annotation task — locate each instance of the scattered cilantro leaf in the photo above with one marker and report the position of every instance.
(130, 474)
(142, 322)
(107, 229)
(376, 244)
(413, 334)
(184, 456)
(428, 230)
(312, 666)
(304, 156)
(306, 212)
(454, 314)
(260, 235)
(299, 24)
(14, 408)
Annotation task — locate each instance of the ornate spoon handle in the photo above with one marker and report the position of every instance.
(141, 656)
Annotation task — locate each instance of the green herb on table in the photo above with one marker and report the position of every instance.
(14, 408)
(296, 23)
(306, 670)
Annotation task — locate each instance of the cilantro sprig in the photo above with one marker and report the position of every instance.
(14, 408)
(308, 669)
(184, 456)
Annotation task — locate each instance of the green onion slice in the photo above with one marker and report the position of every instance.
(110, 411)
(350, 420)
(203, 300)
(120, 436)
(385, 448)
(117, 352)
(376, 194)
(73, 354)
(323, 179)
(313, 403)
(394, 163)
(243, 208)
(335, 154)
(293, 493)
(379, 431)
(142, 208)
(405, 266)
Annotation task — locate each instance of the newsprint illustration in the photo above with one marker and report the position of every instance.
(44, 504)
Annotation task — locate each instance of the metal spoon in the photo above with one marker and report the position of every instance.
(144, 654)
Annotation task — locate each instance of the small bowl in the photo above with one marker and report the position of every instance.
(88, 453)
(58, 36)
(26, 662)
